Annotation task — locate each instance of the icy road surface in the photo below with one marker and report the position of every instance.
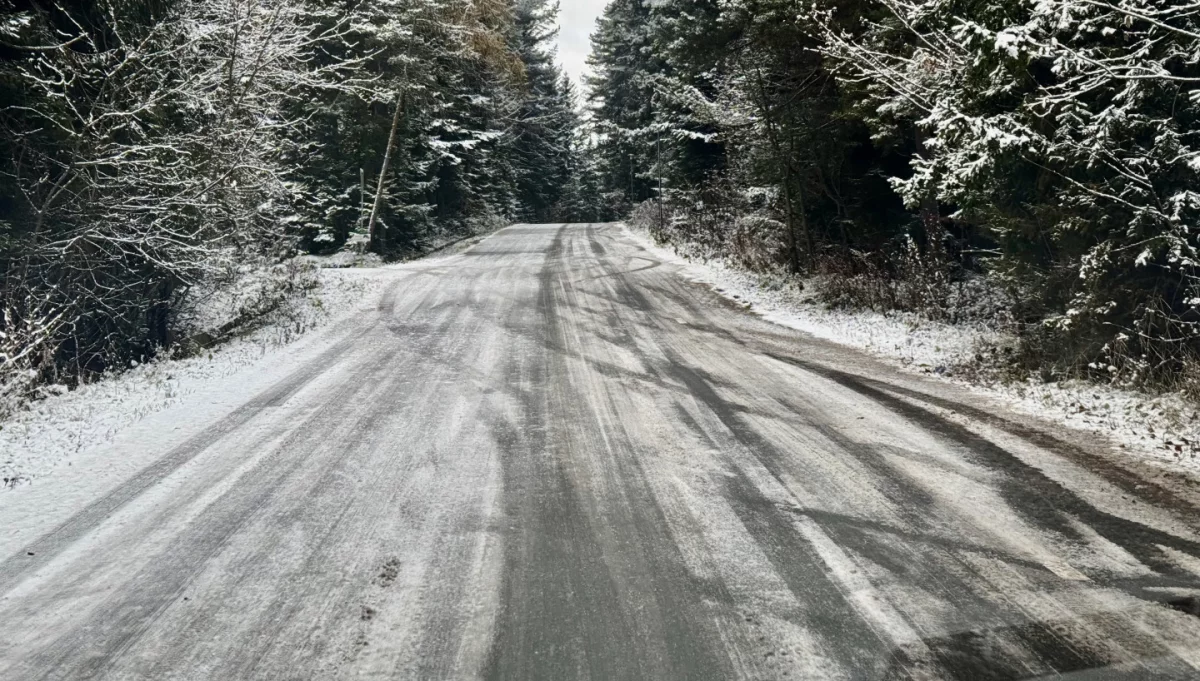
(549, 457)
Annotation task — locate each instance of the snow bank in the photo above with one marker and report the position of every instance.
(1163, 429)
(53, 431)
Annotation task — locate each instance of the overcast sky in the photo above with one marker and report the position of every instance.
(577, 19)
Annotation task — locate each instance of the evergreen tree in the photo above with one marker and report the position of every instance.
(621, 98)
(546, 120)
(1065, 131)
(725, 110)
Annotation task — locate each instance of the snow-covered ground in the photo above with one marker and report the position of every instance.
(1163, 429)
(325, 293)
(54, 431)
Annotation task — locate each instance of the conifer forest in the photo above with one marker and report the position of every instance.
(899, 147)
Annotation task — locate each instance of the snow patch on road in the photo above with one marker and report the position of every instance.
(1163, 429)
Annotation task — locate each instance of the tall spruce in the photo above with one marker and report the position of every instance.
(545, 125)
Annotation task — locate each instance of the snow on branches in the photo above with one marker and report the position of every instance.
(146, 152)
(153, 146)
(1066, 127)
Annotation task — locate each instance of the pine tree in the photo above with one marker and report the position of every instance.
(544, 124)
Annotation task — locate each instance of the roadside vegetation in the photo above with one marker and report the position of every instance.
(159, 155)
(1029, 164)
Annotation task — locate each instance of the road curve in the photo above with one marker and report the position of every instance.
(550, 457)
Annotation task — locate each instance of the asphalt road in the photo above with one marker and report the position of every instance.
(551, 457)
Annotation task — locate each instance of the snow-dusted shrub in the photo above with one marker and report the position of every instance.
(902, 277)
(758, 243)
(852, 279)
(645, 216)
(243, 297)
(718, 220)
(26, 346)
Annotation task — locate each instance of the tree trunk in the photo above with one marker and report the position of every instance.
(931, 215)
(793, 242)
(810, 247)
(784, 157)
(373, 237)
(937, 274)
(662, 218)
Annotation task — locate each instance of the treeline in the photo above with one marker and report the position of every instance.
(902, 148)
(148, 144)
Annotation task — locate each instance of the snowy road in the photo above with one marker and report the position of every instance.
(551, 457)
